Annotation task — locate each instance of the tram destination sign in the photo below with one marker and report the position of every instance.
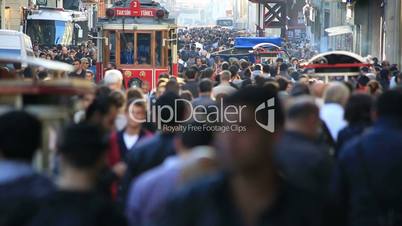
(135, 10)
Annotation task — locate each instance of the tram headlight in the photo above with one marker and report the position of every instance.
(109, 13)
(160, 13)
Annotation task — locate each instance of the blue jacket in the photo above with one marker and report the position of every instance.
(367, 183)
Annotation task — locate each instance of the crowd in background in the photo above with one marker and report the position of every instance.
(301, 152)
(331, 157)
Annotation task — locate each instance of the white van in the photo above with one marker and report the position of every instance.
(15, 44)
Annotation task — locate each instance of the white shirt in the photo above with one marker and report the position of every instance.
(332, 115)
(223, 89)
(130, 140)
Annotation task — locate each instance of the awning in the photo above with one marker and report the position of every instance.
(339, 30)
(250, 42)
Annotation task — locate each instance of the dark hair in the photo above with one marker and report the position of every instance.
(358, 109)
(302, 110)
(233, 70)
(190, 73)
(172, 86)
(225, 66)
(187, 95)
(207, 73)
(205, 85)
(253, 97)
(284, 67)
(168, 99)
(103, 91)
(283, 84)
(119, 98)
(191, 138)
(299, 89)
(244, 65)
(77, 60)
(266, 68)
(257, 67)
(101, 105)
(259, 81)
(20, 135)
(163, 75)
(134, 93)
(82, 145)
(389, 104)
(363, 80)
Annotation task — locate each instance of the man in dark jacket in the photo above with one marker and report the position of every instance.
(191, 81)
(21, 188)
(367, 182)
(304, 161)
(251, 191)
(82, 150)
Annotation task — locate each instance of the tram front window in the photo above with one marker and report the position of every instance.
(144, 48)
(127, 48)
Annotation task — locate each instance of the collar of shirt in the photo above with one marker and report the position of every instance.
(12, 170)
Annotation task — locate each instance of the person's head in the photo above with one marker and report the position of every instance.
(388, 105)
(234, 69)
(42, 55)
(103, 112)
(190, 73)
(89, 75)
(77, 65)
(295, 62)
(205, 87)
(225, 76)
(302, 115)
(283, 68)
(198, 61)
(20, 136)
(130, 45)
(374, 88)
(336, 92)
(358, 109)
(64, 50)
(134, 93)
(113, 79)
(83, 147)
(172, 86)
(190, 139)
(225, 66)
(257, 67)
(250, 151)
(266, 69)
(186, 95)
(84, 63)
(169, 112)
(300, 89)
(136, 110)
(111, 66)
(283, 84)
(244, 64)
(207, 73)
(362, 83)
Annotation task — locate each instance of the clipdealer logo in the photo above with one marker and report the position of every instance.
(207, 115)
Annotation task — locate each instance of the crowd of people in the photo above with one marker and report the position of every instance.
(223, 143)
(228, 144)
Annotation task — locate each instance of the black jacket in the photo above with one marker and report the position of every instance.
(19, 199)
(147, 155)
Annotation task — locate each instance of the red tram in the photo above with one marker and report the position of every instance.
(140, 39)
